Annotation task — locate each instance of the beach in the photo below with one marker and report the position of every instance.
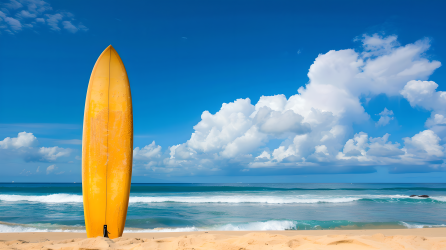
(426, 238)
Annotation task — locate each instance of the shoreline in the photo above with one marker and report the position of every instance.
(425, 232)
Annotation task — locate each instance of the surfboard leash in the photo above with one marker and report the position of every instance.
(106, 232)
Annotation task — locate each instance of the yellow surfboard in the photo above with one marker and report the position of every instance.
(107, 147)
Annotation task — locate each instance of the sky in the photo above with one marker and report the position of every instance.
(231, 91)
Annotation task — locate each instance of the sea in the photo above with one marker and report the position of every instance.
(58, 207)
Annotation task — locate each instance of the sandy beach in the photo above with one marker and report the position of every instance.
(426, 238)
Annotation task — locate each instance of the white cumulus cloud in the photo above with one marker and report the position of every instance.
(424, 94)
(24, 146)
(148, 152)
(425, 142)
(385, 117)
(52, 153)
(22, 140)
(314, 127)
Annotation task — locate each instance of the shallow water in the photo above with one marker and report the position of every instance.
(190, 207)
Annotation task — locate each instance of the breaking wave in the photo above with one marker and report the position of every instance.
(73, 198)
(270, 225)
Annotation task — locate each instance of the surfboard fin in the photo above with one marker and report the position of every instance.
(105, 231)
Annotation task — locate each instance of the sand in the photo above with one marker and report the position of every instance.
(426, 238)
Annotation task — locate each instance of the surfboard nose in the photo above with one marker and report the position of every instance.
(107, 50)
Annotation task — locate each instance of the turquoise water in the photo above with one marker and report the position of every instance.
(192, 207)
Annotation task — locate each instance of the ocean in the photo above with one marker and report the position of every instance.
(32, 207)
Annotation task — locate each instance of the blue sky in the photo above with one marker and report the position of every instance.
(215, 88)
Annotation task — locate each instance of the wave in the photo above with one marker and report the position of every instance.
(52, 198)
(253, 188)
(70, 198)
(249, 226)
(188, 188)
(404, 198)
(243, 199)
(439, 198)
(40, 227)
(296, 199)
(270, 225)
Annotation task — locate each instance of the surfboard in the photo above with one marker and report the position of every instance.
(107, 147)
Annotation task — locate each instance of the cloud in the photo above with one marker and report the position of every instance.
(264, 156)
(13, 4)
(421, 153)
(386, 112)
(425, 142)
(22, 140)
(53, 21)
(385, 117)
(376, 45)
(424, 94)
(364, 149)
(148, 152)
(25, 14)
(214, 132)
(32, 14)
(37, 6)
(244, 144)
(50, 169)
(70, 27)
(82, 27)
(277, 122)
(321, 149)
(24, 146)
(315, 127)
(37, 170)
(379, 147)
(14, 24)
(52, 153)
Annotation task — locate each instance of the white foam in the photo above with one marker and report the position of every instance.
(439, 198)
(23, 229)
(243, 199)
(415, 225)
(16, 229)
(250, 226)
(259, 226)
(394, 196)
(52, 198)
(164, 230)
(73, 198)
(397, 197)
(67, 198)
(411, 225)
